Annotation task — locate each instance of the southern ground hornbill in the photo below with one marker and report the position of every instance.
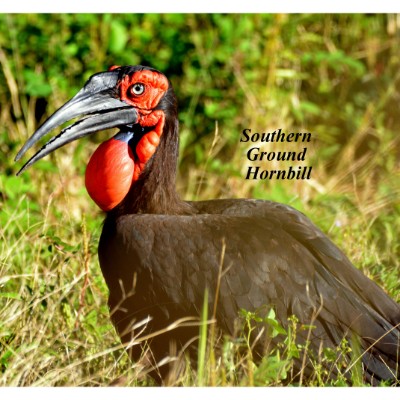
(158, 253)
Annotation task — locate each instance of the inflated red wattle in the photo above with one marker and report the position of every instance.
(109, 173)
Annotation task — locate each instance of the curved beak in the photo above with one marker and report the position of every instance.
(98, 101)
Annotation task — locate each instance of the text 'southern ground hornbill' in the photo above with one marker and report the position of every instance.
(158, 253)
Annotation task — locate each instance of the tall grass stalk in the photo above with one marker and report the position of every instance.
(336, 76)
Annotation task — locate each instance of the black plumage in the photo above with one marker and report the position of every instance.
(159, 254)
(274, 257)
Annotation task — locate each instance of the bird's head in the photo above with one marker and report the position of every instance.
(139, 101)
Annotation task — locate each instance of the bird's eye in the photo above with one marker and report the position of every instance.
(137, 89)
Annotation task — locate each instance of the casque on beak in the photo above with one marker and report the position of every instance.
(98, 101)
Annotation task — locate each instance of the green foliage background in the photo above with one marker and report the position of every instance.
(336, 76)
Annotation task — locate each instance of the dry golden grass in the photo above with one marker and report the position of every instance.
(54, 322)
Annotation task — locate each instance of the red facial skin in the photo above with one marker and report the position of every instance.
(112, 168)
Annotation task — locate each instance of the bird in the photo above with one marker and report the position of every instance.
(163, 258)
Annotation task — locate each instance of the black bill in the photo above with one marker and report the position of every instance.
(97, 101)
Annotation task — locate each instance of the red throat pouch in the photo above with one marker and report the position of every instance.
(112, 168)
(109, 173)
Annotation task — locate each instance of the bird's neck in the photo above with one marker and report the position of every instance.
(155, 190)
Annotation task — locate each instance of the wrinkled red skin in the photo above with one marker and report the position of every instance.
(109, 173)
(112, 168)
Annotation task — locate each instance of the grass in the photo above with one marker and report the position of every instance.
(54, 322)
(55, 327)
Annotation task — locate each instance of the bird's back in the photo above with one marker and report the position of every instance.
(259, 255)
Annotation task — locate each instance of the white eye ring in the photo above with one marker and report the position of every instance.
(137, 89)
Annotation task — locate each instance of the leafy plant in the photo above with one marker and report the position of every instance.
(336, 76)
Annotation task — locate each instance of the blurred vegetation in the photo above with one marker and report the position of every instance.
(336, 76)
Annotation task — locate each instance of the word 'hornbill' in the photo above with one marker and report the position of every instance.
(158, 253)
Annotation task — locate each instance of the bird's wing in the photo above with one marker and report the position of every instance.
(264, 255)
